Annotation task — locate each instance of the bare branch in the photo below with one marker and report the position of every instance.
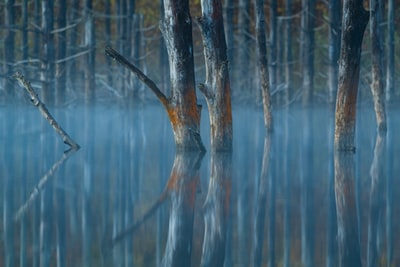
(141, 76)
(45, 113)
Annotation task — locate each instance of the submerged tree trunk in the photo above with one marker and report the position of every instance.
(263, 63)
(216, 88)
(355, 19)
(377, 85)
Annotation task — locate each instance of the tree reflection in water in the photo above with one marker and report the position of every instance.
(347, 222)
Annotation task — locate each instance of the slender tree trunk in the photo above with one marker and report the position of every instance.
(48, 51)
(73, 70)
(107, 26)
(273, 41)
(307, 49)
(288, 52)
(62, 52)
(242, 65)
(377, 85)
(263, 63)
(216, 88)
(25, 43)
(90, 43)
(334, 48)
(355, 19)
(390, 72)
(164, 67)
(9, 43)
(229, 29)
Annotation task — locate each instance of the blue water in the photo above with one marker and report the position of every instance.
(219, 209)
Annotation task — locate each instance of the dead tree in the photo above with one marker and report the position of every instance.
(216, 89)
(377, 84)
(355, 19)
(263, 63)
(181, 106)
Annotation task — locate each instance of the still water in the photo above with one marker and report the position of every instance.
(126, 199)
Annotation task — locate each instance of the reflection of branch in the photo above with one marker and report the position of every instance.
(46, 114)
(41, 184)
(120, 236)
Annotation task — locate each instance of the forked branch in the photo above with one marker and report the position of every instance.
(45, 113)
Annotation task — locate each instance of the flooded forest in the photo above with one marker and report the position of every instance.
(199, 133)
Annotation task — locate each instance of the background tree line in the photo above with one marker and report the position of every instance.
(59, 46)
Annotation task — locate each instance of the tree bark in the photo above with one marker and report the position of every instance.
(334, 48)
(263, 63)
(377, 85)
(9, 43)
(390, 73)
(307, 49)
(355, 19)
(216, 88)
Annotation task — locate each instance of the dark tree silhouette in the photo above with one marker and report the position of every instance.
(355, 19)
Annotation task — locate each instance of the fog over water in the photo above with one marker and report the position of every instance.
(224, 208)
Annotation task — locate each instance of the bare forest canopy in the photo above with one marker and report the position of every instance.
(59, 47)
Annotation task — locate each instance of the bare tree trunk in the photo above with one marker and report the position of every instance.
(390, 73)
(355, 19)
(263, 63)
(25, 42)
(273, 32)
(334, 48)
(288, 52)
(377, 85)
(62, 52)
(90, 43)
(229, 29)
(9, 43)
(216, 88)
(181, 106)
(242, 64)
(48, 52)
(307, 49)
(73, 69)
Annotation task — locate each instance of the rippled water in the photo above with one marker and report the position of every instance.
(270, 202)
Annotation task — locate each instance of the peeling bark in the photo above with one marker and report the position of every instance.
(216, 88)
(355, 19)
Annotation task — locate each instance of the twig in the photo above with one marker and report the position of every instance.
(46, 114)
(41, 184)
(141, 76)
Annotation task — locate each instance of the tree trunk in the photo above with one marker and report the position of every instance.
(307, 49)
(183, 111)
(9, 43)
(390, 73)
(90, 43)
(242, 65)
(288, 52)
(273, 32)
(229, 29)
(216, 88)
(377, 86)
(263, 63)
(62, 52)
(355, 19)
(73, 70)
(48, 51)
(334, 48)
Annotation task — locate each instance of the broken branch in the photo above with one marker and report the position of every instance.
(141, 76)
(45, 113)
